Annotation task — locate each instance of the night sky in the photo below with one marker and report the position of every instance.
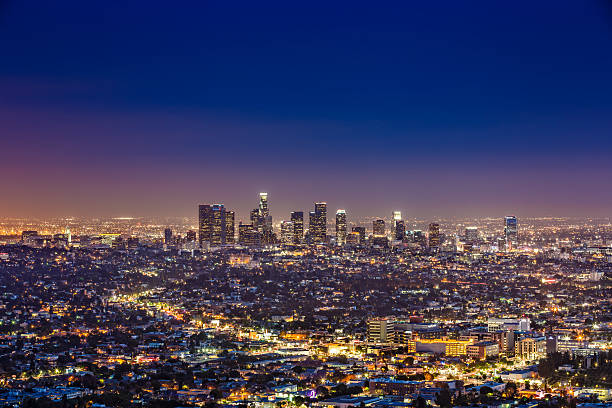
(437, 108)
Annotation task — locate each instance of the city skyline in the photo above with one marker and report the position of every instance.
(306, 204)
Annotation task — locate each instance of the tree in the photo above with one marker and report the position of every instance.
(444, 397)
(511, 389)
(340, 389)
(216, 394)
(484, 393)
(355, 389)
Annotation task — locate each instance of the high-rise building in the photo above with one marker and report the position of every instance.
(204, 223)
(397, 216)
(378, 228)
(262, 220)
(341, 227)
(471, 234)
(215, 223)
(264, 213)
(511, 231)
(230, 233)
(318, 223)
(263, 204)
(248, 234)
(311, 226)
(287, 232)
(418, 237)
(255, 217)
(353, 238)
(362, 233)
(434, 235)
(217, 234)
(167, 236)
(191, 236)
(297, 218)
(400, 230)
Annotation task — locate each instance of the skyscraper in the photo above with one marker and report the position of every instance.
(230, 233)
(204, 223)
(471, 234)
(397, 216)
(318, 223)
(248, 235)
(434, 235)
(378, 228)
(312, 220)
(217, 233)
(362, 233)
(167, 236)
(341, 227)
(511, 231)
(262, 220)
(287, 232)
(255, 217)
(215, 224)
(263, 204)
(400, 230)
(297, 218)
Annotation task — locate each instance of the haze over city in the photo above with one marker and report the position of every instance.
(439, 109)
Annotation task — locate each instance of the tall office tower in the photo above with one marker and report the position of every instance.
(204, 223)
(400, 230)
(362, 233)
(297, 218)
(191, 236)
(311, 227)
(264, 213)
(397, 219)
(212, 223)
(255, 217)
(378, 227)
(263, 204)
(230, 233)
(511, 232)
(217, 233)
(434, 235)
(471, 234)
(262, 220)
(167, 236)
(341, 227)
(287, 232)
(352, 238)
(318, 224)
(397, 216)
(248, 235)
(418, 237)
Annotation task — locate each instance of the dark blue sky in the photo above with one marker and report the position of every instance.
(436, 108)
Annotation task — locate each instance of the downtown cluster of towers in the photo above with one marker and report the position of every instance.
(216, 226)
